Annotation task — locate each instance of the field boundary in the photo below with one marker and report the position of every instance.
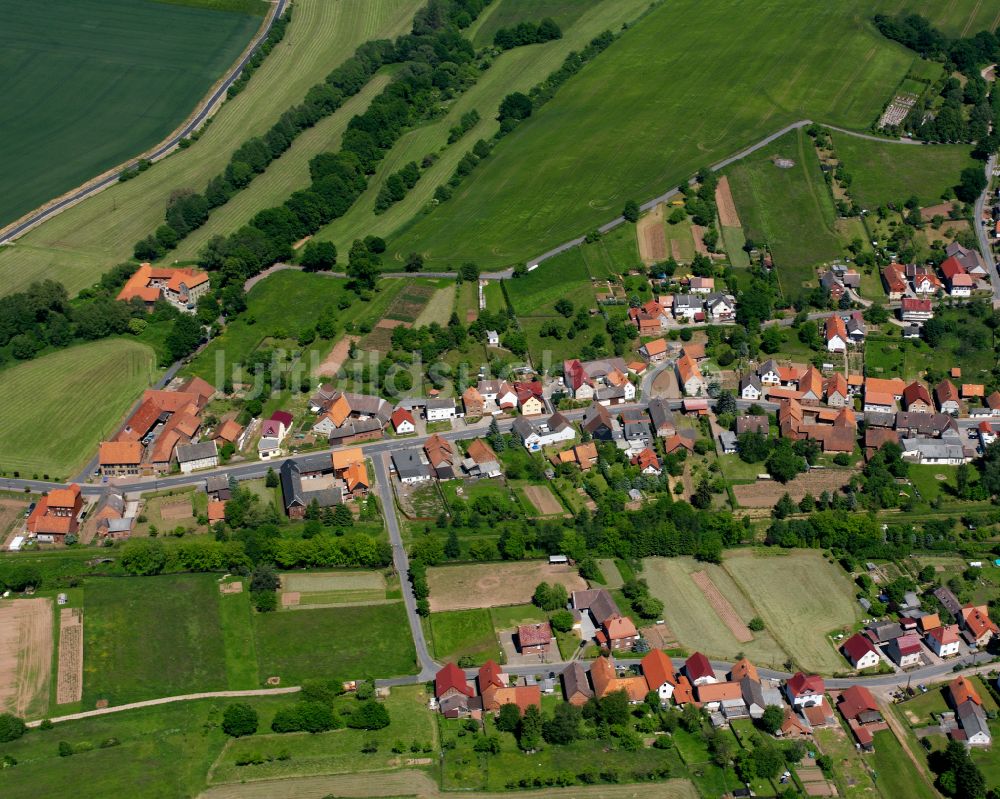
(722, 607)
(206, 108)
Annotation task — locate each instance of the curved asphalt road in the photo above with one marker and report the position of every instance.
(41, 215)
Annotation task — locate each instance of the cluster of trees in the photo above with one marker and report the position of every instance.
(783, 459)
(418, 580)
(967, 55)
(437, 62)
(643, 603)
(527, 33)
(958, 775)
(700, 204)
(396, 186)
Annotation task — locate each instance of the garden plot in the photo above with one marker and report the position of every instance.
(69, 686)
(544, 500)
(332, 588)
(652, 237)
(491, 584)
(765, 493)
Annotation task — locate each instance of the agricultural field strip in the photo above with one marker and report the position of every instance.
(25, 654)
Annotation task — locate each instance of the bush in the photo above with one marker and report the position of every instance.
(369, 716)
(11, 727)
(239, 719)
(65, 749)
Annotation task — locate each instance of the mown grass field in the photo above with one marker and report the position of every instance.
(147, 637)
(884, 173)
(648, 125)
(789, 209)
(801, 597)
(238, 640)
(96, 383)
(956, 17)
(98, 82)
(693, 621)
(514, 70)
(82, 242)
(457, 633)
(897, 776)
(348, 643)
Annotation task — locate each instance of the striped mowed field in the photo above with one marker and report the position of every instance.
(58, 407)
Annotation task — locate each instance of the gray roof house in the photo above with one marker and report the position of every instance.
(598, 601)
(662, 417)
(411, 466)
(297, 499)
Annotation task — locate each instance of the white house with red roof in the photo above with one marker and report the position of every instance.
(943, 641)
(403, 421)
(861, 652)
(805, 690)
(699, 670)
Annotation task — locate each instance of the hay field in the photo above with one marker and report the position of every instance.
(486, 585)
(641, 103)
(515, 70)
(801, 598)
(85, 240)
(25, 656)
(691, 618)
(96, 383)
(98, 82)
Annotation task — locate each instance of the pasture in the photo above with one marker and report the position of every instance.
(98, 382)
(692, 619)
(114, 78)
(82, 242)
(507, 13)
(651, 128)
(485, 585)
(342, 643)
(789, 209)
(801, 597)
(515, 70)
(147, 637)
(885, 172)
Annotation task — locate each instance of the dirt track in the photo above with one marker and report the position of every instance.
(331, 365)
(722, 607)
(724, 202)
(25, 654)
(652, 237)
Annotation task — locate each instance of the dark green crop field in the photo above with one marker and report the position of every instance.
(87, 84)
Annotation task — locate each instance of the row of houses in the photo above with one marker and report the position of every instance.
(437, 459)
(494, 397)
(959, 275)
(165, 429)
(605, 382)
(702, 304)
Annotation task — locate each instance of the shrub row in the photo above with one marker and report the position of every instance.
(527, 33)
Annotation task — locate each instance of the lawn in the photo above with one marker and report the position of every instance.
(346, 643)
(515, 70)
(509, 616)
(801, 597)
(789, 209)
(693, 621)
(884, 172)
(82, 242)
(919, 710)
(564, 277)
(896, 773)
(98, 381)
(651, 128)
(278, 307)
(116, 76)
(147, 637)
(457, 633)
